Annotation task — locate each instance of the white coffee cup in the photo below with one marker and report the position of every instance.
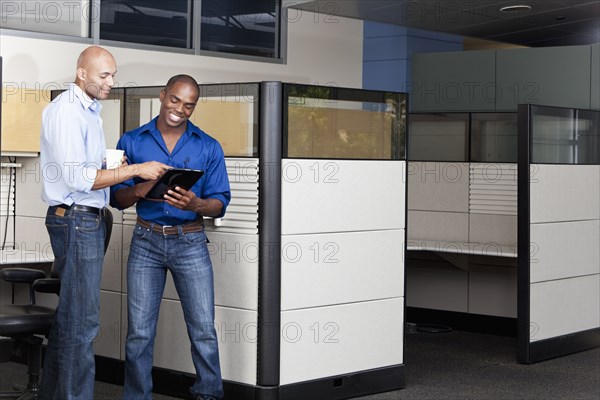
(113, 158)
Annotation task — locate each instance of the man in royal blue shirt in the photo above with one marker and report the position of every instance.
(169, 235)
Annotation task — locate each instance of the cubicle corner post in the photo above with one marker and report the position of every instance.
(523, 233)
(269, 275)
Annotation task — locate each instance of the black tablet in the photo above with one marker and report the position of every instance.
(184, 178)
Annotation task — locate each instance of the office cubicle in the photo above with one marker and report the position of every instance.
(462, 219)
(467, 204)
(309, 258)
(559, 231)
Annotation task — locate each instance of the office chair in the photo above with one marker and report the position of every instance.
(22, 322)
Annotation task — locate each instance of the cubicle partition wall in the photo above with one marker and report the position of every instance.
(343, 194)
(462, 217)
(559, 231)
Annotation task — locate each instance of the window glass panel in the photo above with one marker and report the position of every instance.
(553, 134)
(249, 27)
(587, 132)
(70, 18)
(438, 137)
(494, 137)
(227, 112)
(156, 22)
(325, 122)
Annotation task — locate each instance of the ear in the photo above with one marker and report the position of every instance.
(81, 74)
(161, 96)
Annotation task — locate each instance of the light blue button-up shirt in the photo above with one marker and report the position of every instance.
(72, 150)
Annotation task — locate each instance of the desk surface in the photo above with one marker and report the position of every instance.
(483, 249)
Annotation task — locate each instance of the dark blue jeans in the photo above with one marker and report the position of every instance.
(186, 256)
(77, 240)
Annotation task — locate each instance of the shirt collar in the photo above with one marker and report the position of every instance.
(151, 126)
(86, 101)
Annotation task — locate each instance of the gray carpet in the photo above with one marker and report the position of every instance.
(455, 365)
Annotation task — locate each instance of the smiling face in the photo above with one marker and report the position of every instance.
(96, 71)
(177, 104)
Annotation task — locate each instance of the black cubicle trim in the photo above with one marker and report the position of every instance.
(347, 386)
(523, 233)
(562, 345)
(269, 223)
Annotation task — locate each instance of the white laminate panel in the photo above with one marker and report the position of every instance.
(127, 235)
(564, 192)
(564, 250)
(438, 186)
(111, 270)
(32, 235)
(329, 341)
(493, 291)
(29, 188)
(564, 306)
(237, 333)
(234, 259)
(108, 341)
(493, 229)
(434, 226)
(438, 288)
(332, 268)
(321, 196)
(235, 268)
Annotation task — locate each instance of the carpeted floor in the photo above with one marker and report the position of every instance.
(454, 366)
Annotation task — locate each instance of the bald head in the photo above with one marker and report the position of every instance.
(96, 69)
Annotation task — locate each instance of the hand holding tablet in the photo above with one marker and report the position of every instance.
(182, 177)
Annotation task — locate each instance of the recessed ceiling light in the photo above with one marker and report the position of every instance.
(516, 8)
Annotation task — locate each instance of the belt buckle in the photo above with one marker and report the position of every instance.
(163, 229)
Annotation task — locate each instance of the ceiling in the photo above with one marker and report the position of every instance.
(546, 23)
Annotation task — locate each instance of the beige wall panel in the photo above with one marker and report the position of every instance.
(29, 188)
(493, 229)
(437, 227)
(22, 116)
(493, 291)
(438, 186)
(236, 330)
(438, 288)
(108, 341)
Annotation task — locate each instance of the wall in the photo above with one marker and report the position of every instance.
(388, 51)
(498, 80)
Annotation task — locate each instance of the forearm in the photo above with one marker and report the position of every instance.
(110, 177)
(207, 207)
(127, 197)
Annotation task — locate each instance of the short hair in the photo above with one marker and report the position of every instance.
(182, 78)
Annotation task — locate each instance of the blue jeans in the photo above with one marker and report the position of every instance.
(77, 240)
(186, 256)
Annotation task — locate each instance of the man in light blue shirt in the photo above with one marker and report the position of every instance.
(75, 186)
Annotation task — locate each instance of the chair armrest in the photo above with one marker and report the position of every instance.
(47, 285)
(21, 275)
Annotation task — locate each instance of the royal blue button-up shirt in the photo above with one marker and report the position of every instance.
(195, 149)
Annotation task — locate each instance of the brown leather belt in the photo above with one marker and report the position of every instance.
(194, 226)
